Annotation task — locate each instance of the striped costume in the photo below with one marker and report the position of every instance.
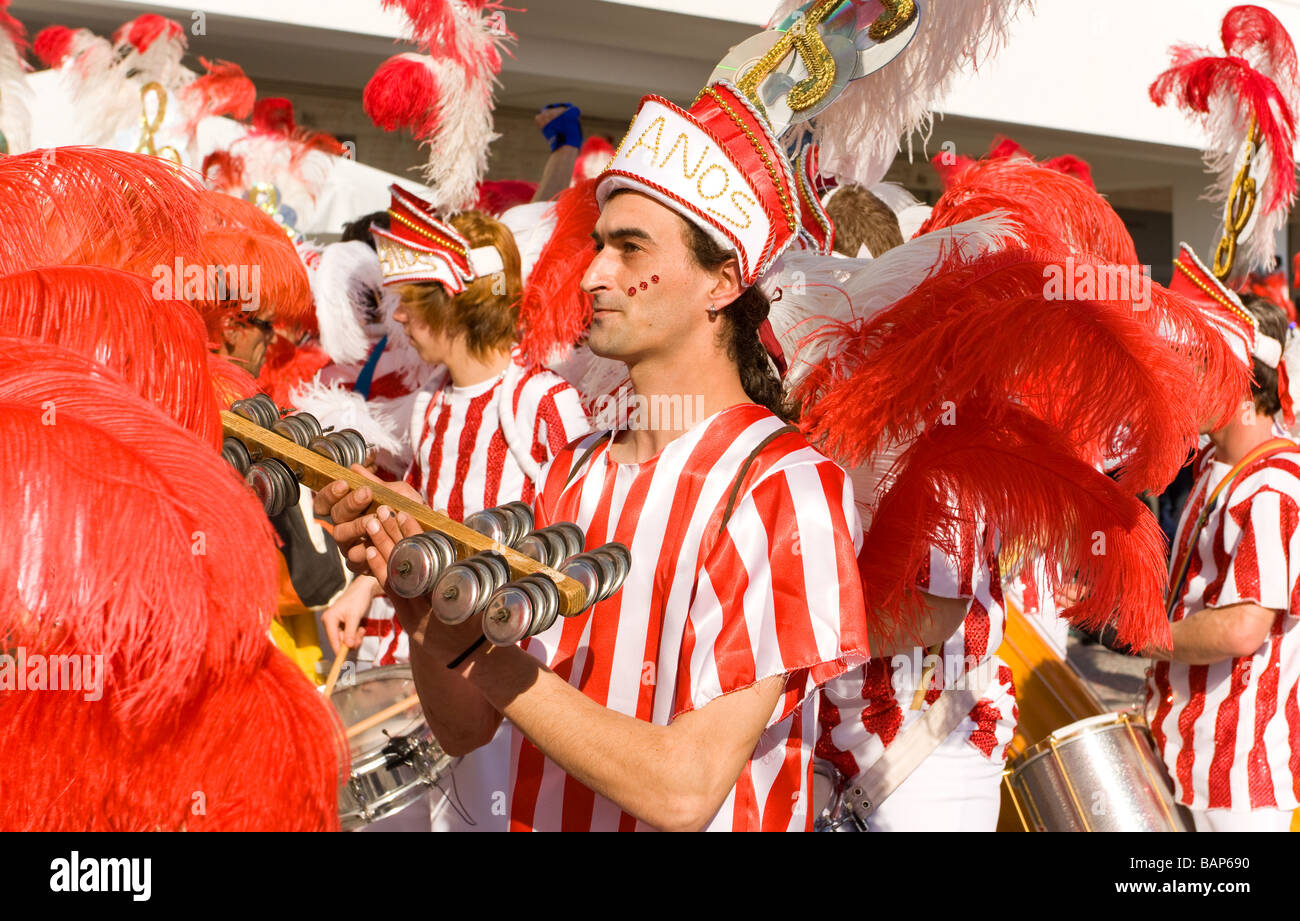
(705, 610)
(1230, 732)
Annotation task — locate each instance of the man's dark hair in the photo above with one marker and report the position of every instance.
(862, 219)
(360, 228)
(1272, 323)
(741, 321)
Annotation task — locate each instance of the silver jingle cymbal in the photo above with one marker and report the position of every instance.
(549, 607)
(413, 568)
(574, 539)
(509, 614)
(458, 593)
(236, 454)
(586, 572)
(535, 546)
(498, 568)
(490, 523)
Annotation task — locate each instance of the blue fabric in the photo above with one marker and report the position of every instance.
(367, 375)
(565, 130)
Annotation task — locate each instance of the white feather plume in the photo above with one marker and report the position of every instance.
(383, 423)
(15, 97)
(348, 287)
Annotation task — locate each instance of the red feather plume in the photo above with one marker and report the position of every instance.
(230, 380)
(498, 196)
(52, 44)
(224, 171)
(16, 31)
(155, 555)
(554, 311)
(1018, 477)
(287, 365)
(399, 93)
(158, 345)
(95, 206)
(1050, 207)
(223, 90)
(274, 116)
(144, 30)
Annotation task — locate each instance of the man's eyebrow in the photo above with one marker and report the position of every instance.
(623, 233)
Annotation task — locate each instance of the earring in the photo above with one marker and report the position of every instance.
(713, 314)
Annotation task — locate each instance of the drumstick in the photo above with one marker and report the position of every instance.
(386, 714)
(926, 674)
(339, 658)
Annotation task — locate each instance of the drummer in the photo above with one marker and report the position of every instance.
(481, 430)
(1222, 704)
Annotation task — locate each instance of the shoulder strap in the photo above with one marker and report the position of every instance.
(591, 449)
(1266, 450)
(744, 469)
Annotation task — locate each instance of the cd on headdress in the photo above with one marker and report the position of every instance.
(846, 37)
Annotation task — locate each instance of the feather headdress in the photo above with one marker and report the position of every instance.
(443, 94)
(1246, 102)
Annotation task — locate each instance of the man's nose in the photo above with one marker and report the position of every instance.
(597, 276)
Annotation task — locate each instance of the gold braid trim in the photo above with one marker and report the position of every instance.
(767, 161)
(427, 234)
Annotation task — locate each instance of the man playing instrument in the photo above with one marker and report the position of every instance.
(687, 699)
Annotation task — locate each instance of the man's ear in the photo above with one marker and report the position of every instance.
(727, 286)
(229, 331)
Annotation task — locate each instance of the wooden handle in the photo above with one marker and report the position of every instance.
(316, 472)
(339, 658)
(385, 714)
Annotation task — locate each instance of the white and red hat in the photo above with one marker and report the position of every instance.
(1224, 309)
(420, 248)
(719, 166)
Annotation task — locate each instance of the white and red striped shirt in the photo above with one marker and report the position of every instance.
(1230, 732)
(705, 610)
(463, 461)
(864, 710)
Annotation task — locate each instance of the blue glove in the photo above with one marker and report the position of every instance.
(565, 130)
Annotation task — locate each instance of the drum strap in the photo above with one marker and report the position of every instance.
(591, 449)
(916, 743)
(1183, 564)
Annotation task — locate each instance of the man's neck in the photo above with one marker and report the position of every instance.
(700, 386)
(1238, 438)
(467, 369)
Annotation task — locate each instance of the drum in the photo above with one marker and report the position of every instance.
(393, 763)
(1098, 774)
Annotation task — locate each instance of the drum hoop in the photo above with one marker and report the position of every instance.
(1072, 733)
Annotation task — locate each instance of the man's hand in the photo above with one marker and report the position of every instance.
(342, 619)
(344, 506)
(441, 641)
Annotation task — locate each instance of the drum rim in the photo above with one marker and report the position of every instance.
(1073, 732)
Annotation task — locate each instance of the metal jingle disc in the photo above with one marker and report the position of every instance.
(584, 570)
(509, 614)
(358, 442)
(574, 539)
(311, 422)
(270, 413)
(457, 593)
(236, 454)
(514, 525)
(558, 547)
(523, 516)
(622, 558)
(247, 409)
(498, 568)
(536, 547)
(325, 447)
(608, 572)
(549, 608)
(413, 568)
(488, 523)
(292, 430)
(293, 490)
(441, 545)
(265, 486)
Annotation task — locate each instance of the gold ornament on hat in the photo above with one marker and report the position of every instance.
(149, 127)
(1240, 206)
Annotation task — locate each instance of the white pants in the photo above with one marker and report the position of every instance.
(477, 785)
(955, 789)
(1254, 820)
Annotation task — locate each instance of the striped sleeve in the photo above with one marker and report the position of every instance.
(777, 593)
(1260, 538)
(560, 419)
